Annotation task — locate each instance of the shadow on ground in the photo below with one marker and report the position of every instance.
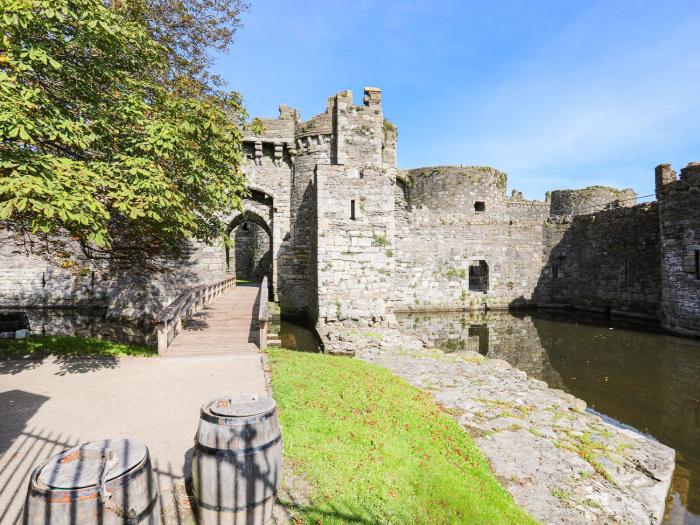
(67, 364)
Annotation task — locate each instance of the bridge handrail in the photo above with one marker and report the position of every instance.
(190, 301)
(263, 313)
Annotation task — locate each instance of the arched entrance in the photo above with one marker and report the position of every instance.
(250, 255)
(255, 231)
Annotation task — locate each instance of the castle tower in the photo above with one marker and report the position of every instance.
(679, 215)
(348, 151)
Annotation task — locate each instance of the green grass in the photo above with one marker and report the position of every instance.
(375, 449)
(65, 346)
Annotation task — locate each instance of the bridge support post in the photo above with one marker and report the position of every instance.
(263, 313)
(162, 339)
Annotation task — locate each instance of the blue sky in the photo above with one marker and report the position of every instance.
(559, 94)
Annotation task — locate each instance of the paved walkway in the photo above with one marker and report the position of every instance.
(50, 405)
(229, 324)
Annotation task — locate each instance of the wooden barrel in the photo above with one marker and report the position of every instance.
(105, 482)
(236, 461)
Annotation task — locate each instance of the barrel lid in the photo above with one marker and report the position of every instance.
(82, 466)
(242, 405)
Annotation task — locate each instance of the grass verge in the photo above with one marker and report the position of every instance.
(68, 346)
(375, 449)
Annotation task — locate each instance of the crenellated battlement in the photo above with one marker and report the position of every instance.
(668, 181)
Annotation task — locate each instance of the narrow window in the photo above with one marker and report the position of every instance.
(626, 273)
(245, 226)
(697, 264)
(479, 206)
(352, 210)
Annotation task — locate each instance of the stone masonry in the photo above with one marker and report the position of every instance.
(353, 239)
(679, 214)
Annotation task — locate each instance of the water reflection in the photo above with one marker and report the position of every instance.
(294, 335)
(85, 322)
(644, 379)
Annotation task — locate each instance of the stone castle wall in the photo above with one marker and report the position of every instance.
(270, 157)
(353, 263)
(589, 200)
(30, 282)
(355, 244)
(606, 261)
(341, 155)
(457, 190)
(679, 210)
(314, 146)
(450, 218)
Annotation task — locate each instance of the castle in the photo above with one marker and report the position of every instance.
(345, 236)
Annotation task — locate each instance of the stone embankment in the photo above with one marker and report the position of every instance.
(561, 463)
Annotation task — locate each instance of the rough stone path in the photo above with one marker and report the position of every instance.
(562, 464)
(229, 324)
(52, 404)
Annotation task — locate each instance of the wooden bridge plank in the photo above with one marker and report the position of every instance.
(228, 324)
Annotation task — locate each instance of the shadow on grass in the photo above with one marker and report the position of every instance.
(74, 355)
(329, 514)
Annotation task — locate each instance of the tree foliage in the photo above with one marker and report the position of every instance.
(189, 30)
(95, 152)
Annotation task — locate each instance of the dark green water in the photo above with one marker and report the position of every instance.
(295, 336)
(639, 378)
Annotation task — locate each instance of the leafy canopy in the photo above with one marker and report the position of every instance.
(189, 30)
(94, 149)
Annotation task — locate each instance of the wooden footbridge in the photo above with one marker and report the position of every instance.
(213, 319)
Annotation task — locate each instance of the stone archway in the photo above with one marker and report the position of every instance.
(259, 210)
(251, 255)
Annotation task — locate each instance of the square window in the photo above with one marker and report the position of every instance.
(479, 206)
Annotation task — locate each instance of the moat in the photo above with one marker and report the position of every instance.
(633, 375)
